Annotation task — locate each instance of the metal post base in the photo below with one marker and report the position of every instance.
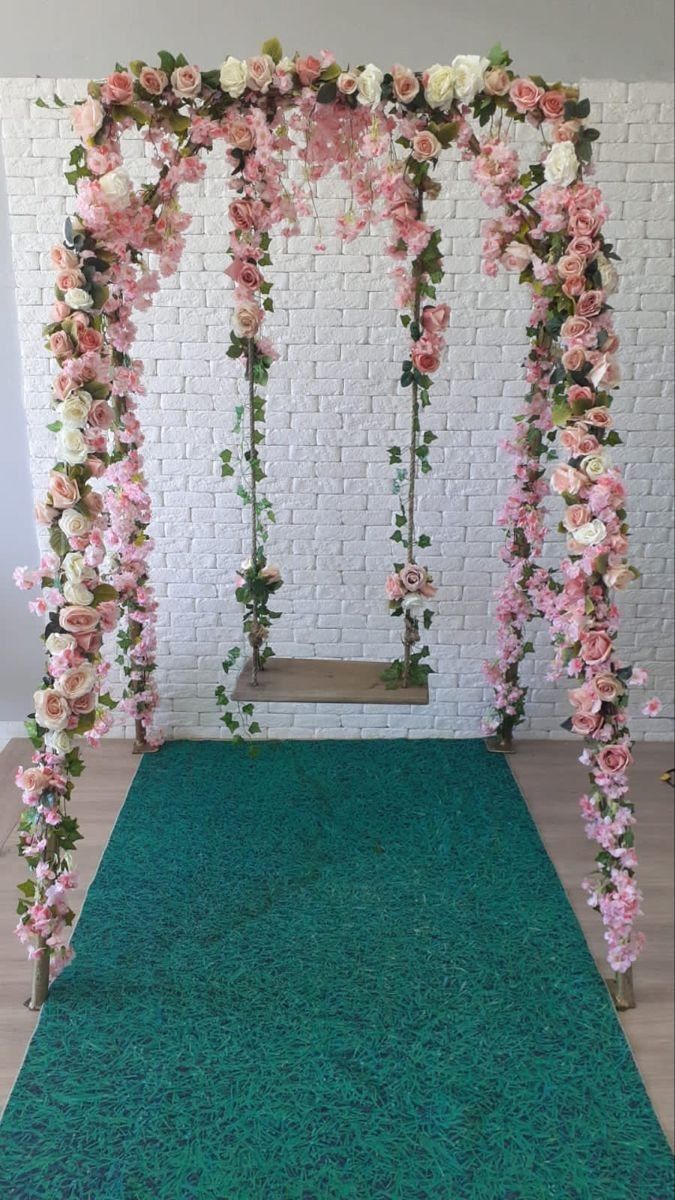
(144, 748)
(500, 745)
(622, 990)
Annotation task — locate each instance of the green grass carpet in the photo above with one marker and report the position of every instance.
(337, 969)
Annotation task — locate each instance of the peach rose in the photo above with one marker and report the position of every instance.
(424, 357)
(585, 246)
(435, 317)
(64, 492)
(571, 266)
(347, 83)
(525, 94)
(118, 88)
(574, 359)
(246, 320)
(576, 515)
(552, 105)
(425, 145)
(614, 760)
(60, 344)
(100, 415)
(87, 338)
(576, 328)
(607, 686)
(566, 131)
(84, 704)
(567, 479)
(153, 80)
(590, 304)
(619, 577)
(89, 642)
(584, 222)
(186, 82)
(406, 84)
(586, 723)
(63, 258)
(32, 779)
(71, 278)
(578, 395)
(260, 72)
(44, 513)
(76, 682)
(78, 619)
(596, 647)
(240, 134)
(270, 574)
(497, 82)
(308, 69)
(86, 118)
(52, 711)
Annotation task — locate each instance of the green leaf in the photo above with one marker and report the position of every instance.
(55, 426)
(273, 47)
(254, 727)
(58, 541)
(103, 593)
(327, 92)
(40, 103)
(423, 541)
(167, 61)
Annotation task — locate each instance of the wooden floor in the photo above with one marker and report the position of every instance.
(551, 781)
(324, 681)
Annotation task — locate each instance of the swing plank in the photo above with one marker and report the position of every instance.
(324, 681)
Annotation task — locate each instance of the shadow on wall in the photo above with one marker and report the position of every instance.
(22, 652)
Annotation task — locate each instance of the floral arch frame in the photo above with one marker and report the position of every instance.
(385, 133)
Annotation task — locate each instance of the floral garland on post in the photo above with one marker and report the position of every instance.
(550, 232)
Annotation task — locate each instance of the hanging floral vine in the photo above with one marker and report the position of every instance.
(385, 133)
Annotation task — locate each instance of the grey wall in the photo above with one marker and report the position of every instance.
(595, 39)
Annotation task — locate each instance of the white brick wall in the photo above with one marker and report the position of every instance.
(334, 408)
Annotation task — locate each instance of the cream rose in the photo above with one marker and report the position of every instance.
(77, 593)
(72, 447)
(591, 534)
(233, 75)
(75, 567)
(271, 574)
(370, 85)
(56, 643)
(469, 73)
(78, 299)
(59, 741)
(51, 710)
(76, 682)
(594, 465)
(74, 411)
(87, 118)
(608, 274)
(439, 86)
(618, 577)
(246, 319)
(517, 256)
(561, 164)
(74, 524)
(116, 188)
(186, 82)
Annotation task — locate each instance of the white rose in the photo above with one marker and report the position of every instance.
(74, 523)
(591, 534)
(116, 188)
(414, 600)
(75, 410)
(370, 84)
(78, 299)
(561, 164)
(594, 465)
(56, 643)
(72, 447)
(59, 741)
(77, 593)
(608, 274)
(440, 86)
(233, 74)
(469, 72)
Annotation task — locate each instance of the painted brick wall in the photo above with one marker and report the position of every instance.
(333, 410)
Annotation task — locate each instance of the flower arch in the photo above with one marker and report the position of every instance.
(385, 134)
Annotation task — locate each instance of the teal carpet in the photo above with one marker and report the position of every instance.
(337, 969)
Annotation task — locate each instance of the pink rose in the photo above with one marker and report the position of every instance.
(425, 145)
(100, 415)
(96, 468)
(32, 779)
(60, 344)
(88, 339)
(186, 82)
(245, 275)
(89, 642)
(574, 359)
(552, 105)
(596, 647)
(76, 682)
(84, 704)
(242, 214)
(347, 83)
(575, 516)
(118, 88)
(64, 259)
(412, 577)
(87, 118)
(586, 724)
(585, 246)
(406, 84)
(64, 492)
(78, 619)
(614, 760)
(497, 82)
(435, 317)
(52, 711)
(584, 222)
(571, 266)
(516, 257)
(580, 396)
(566, 131)
(260, 72)
(153, 80)
(525, 94)
(240, 134)
(246, 320)
(575, 329)
(44, 513)
(109, 615)
(590, 304)
(425, 357)
(69, 279)
(308, 69)
(567, 480)
(618, 577)
(393, 588)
